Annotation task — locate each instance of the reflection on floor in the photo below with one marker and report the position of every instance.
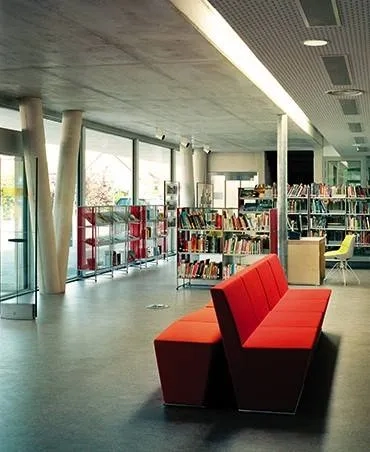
(83, 376)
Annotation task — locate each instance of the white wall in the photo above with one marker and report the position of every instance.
(237, 162)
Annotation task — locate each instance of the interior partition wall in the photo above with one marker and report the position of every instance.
(226, 185)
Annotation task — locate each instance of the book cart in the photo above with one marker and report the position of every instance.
(113, 238)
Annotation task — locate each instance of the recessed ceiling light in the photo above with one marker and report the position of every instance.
(315, 42)
(348, 92)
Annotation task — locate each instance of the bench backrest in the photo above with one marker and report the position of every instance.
(279, 274)
(235, 314)
(257, 295)
(244, 300)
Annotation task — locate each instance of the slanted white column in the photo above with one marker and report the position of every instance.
(34, 147)
(186, 179)
(200, 165)
(65, 187)
(318, 163)
(282, 178)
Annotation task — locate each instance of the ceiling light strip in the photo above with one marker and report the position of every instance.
(220, 34)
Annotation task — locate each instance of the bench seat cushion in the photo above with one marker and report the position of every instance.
(201, 315)
(282, 338)
(301, 305)
(190, 332)
(292, 319)
(307, 294)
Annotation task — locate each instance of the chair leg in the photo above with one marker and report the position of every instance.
(343, 268)
(333, 269)
(350, 270)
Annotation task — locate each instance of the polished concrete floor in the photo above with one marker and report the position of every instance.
(83, 377)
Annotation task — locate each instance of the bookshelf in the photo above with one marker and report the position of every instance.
(339, 210)
(213, 243)
(320, 210)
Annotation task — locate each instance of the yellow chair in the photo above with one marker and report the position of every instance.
(342, 256)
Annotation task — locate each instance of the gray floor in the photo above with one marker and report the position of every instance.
(83, 376)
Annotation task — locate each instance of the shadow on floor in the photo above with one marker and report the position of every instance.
(309, 419)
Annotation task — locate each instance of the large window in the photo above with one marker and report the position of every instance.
(108, 163)
(154, 169)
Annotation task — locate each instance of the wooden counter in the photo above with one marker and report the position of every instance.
(306, 261)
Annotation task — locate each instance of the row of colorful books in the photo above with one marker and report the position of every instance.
(244, 222)
(358, 222)
(199, 219)
(237, 245)
(202, 269)
(199, 243)
(230, 269)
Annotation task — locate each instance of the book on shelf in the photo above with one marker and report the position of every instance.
(199, 269)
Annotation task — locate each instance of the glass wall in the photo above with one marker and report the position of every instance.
(15, 274)
(13, 228)
(108, 163)
(154, 169)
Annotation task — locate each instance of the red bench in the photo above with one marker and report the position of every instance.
(267, 330)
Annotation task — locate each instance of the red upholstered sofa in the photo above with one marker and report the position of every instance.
(267, 330)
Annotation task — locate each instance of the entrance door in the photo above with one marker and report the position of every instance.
(15, 274)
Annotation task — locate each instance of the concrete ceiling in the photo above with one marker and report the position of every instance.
(275, 30)
(141, 66)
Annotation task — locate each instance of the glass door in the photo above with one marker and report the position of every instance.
(16, 275)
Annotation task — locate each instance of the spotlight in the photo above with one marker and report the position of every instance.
(160, 134)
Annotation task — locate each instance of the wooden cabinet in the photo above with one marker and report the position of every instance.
(306, 261)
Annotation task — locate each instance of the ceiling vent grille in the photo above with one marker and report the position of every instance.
(349, 106)
(320, 13)
(337, 68)
(355, 127)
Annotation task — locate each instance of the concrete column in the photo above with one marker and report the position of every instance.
(81, 167)
(65, 187)
(135, 172)
(282, 176)
(200, 166)
(34, 148)
(318, 163)
(187, 197)
(172, 231)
